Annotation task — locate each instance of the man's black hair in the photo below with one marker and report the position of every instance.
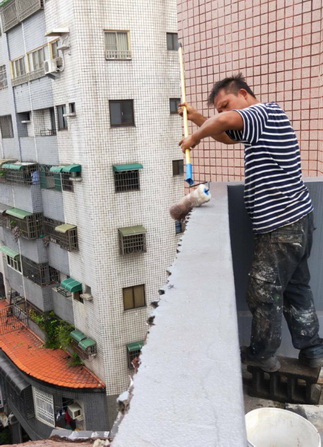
(230, 85)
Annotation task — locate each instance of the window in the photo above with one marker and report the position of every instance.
(44, 122)
(61, 119)
(6, 126)
(36, 59)
(44, 407)
(173, 105)
(178, 167)
(117, 45)
(121, 113)
(54, 49)
(27, 225)
(25, 173)
(132, 240)
(133, 351)
(65, 235)
(14, 263)
(172, 41)
(3, 77)
(41, 274)
(179, 226)
(126, 177)
(134, 297)
(19, 67)
(46, 178)
(71, 107)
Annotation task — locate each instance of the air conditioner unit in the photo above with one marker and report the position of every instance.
(75, 411)
(86, 296)
(53, 65)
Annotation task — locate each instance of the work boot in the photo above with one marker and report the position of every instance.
(312, 362)
(269, 365)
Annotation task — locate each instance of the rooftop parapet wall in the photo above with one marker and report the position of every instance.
(188, 390)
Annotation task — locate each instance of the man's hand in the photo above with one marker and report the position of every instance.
(192, 114)
(189, 142)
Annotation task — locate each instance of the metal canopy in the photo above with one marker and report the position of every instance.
(11, 374)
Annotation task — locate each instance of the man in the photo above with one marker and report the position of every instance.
(280, 209)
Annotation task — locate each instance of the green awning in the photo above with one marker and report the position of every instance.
(4, 2)
(130, 231)
(86, 343)
(71, 285)
(3, 208)
(135, 346)
(11, 253)
(12, 166)
(71, 168)
(127, 167)
(7, 160)
(56, 169)
(64, 228)
(19, 214)
(77, 335)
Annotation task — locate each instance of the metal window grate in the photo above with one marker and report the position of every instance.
(67, 241)
(126, 181)
(27, 175)
(133, 244)
(41, 274)
(67, 183)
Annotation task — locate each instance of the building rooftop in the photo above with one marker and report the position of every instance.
(26, 351)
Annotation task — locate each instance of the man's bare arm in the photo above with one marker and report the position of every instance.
(198, 119)
(213, 127)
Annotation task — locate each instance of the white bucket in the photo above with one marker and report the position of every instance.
(274, 427)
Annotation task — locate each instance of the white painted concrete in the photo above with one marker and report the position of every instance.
(188, 390)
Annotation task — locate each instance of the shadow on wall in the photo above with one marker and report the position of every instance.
(242, 247)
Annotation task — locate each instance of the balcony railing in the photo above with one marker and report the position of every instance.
(118, 54)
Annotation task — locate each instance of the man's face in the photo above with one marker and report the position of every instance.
(225, 101)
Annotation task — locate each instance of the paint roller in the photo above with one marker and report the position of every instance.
(201, 194)
(195, 198)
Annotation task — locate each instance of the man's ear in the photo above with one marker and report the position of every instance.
(243, 92)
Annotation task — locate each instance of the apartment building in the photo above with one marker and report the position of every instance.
(89, 167)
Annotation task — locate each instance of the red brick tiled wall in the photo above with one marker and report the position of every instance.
(277, 45)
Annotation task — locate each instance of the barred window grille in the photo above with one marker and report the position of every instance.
(28, 175)
(16, 11)
(117, 45)
(46, 178)
(6, 126)
(67, 183)
(3, 77)
(126, 181)
(67, 241)
(41, 274)
(44, 407)
(135, 243)
(30, 226)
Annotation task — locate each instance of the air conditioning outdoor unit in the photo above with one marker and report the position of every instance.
(75, 411)
(53, 65)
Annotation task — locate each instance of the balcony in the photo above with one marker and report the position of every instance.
(15, 11)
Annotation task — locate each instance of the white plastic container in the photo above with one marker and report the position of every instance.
(274, 427)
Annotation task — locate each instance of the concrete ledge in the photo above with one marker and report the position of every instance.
(188, 390)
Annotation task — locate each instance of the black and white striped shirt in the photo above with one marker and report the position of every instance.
(274, 192)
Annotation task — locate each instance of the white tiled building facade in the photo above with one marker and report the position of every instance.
(107, 51)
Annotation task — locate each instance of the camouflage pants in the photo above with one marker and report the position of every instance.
(279, 285)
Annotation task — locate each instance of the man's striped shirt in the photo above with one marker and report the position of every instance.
(274, 192)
